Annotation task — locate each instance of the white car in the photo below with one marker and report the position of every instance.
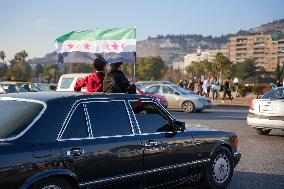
(68, 81)
(179, 98)
(267, 113)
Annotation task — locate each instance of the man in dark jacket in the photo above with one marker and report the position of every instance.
(116, 82)
(227, 90)
(94, 82)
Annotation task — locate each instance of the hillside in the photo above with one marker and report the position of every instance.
(173, 47)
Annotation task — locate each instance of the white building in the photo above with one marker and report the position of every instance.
(197, 57)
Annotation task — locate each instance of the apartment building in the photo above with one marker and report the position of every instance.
(200, 55)
(265, 49)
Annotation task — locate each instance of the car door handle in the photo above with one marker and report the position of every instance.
(198, 142)
(75, 152)
(150, 143)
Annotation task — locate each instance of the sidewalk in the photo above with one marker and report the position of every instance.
(237, 101)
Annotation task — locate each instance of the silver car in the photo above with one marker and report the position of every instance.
(178, 98)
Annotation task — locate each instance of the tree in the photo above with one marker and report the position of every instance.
(150, 68)
(3, 67)
(37, 73)
(245, 69)
(278, 72)
(2, 56)
(19, 70)
(51, 73)
(189, 69)
(221, 65)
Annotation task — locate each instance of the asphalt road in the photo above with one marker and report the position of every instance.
(262, 162)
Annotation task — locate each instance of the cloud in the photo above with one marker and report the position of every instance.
(40, 20)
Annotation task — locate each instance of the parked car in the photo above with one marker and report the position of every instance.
(147, 83)
(144, 92)
(73, 140)
(11, 87)
(68, 81)
(46, 87)
(30, 87)
(267, 113)
(179, 98)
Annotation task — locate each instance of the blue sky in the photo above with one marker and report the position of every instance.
(34, 24)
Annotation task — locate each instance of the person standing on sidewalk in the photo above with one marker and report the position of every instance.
(198, 88)
(207, 87)
(236, 85)
(215, 89)
(227, 90)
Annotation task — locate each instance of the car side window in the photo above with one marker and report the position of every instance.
(154, 89)
(168, 90)
(77, 126)
(149, 117)
(109, 118)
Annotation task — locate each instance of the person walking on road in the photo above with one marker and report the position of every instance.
(227, 90)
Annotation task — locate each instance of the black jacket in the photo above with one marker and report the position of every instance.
(116, 82)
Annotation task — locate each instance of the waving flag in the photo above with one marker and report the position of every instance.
(114, 45)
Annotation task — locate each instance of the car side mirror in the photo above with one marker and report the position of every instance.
(179, 125)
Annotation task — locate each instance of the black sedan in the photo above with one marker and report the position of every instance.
(74, 140)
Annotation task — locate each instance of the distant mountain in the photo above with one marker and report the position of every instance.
(174, 47)
(275, 26)
(49, 58)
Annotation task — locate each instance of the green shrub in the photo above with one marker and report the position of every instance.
(243, 91)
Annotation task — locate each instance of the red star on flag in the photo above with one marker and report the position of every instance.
(107, 46)
(70, 45)
(87, 46)
(123, 45)
(115, 46)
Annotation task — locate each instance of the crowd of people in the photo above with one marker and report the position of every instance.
(211, 87)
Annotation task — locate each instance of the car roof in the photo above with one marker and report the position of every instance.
(162, 84)
(75, 74)
(46, 96)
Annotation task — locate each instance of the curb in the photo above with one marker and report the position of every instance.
(230, 106)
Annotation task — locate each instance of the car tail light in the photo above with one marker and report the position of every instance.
(251, 106)
(236, 142)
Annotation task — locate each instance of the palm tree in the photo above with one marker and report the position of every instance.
(2, 56)
(3, 67)
(21, 56)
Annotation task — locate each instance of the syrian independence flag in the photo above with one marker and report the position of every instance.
(114, 45)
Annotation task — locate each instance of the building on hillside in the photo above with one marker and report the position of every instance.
(197, 57)
(280, 44)
(265, 49)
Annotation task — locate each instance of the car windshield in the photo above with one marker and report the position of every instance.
(277, 93)
(66, 82)
(43, 87)
(10, 88)
(181, 90)
(15, 116)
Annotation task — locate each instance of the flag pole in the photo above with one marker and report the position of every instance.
(135, 60)
(134, 68)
